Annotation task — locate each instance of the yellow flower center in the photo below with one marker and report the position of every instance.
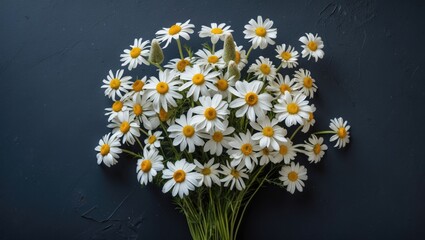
(260, 31)
(146, 165)
(188, 131)
(284, 87)
(213, 59)
(206, 171)
(198, 79)
(135, 52)
(265, 69)
(162, 87)
(312, 45)
(283, 150)
(217, 136)
(216, 31)
(179, 176)
(181, 65)
(266, 151)
(163, 115)
(286, 56)
(235, 173)
(117, 106)
(151, 139)
(124, 127)
(246, 149)
(310, 116)
(210, 113)
(316, 149)
(137, 109)
(237, 57)
(115, 83)
(342, 133)
(268, 131)
(104, 150)
(138, 85)
(222, 84)
(292, 176)
(308, 82)
(251, 98)
(174, 29)
(292, 108)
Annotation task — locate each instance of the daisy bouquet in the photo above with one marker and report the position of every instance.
(209, 127)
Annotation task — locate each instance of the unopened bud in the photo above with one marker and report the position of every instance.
(156, 55)
(233, 70)
(229, 48)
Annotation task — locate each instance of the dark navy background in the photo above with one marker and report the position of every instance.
(54, 54)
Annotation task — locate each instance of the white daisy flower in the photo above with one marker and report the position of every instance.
(116, 84)
(153, 140)
(117, 107)
(263, 68)
(240, 57)
(260, 33)
(182, 178)
(288, 56)
(178, 65)
(218, 139)
(209, 172)
(293, 177)
(175, 32)
(211, 113)
(149, 165)
(185, 133)
(215, 32)
(108, 149)
(124, 125)
(266, 155)
(161, 117)
(222, 82)
(199, 79)
(234, 176)
(249, 101)
(310, 121)
(292, 109)
(281, 85)
(342, 135)
(286, 152)
(206, 58)
(312, 47)
(315, 149)
(270, 133)
(244, 150)
(137, 89)
(305, 83)
(164, 91)
(141, 109)
(136, 55)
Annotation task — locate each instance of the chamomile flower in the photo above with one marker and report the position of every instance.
(206, 58)
(178, 65)
(288, 55)
(136, 55)
(115, 109)
(137, 89)
(163, 91)
(149, 165)
(312, 47)
(215, 32)
(260, 33)
(116, 84)
(218, 139)
(124, 125)
(108, 149)
(240, 57)
(199, 79)
(263, 68)
(281, 85)
(175, 32)
(141, 109)
(342, 135)
(310, 121)
(181, 177)
(266, 155)
(211, 113)
(315, 149)
(305, 83)
(185, 133)
(270, 133)
(209, 172)
(293, 177)
(153, 140)
(249, 100)
(234, 176)
(292, 109)
(244, 150)
(286, 152)
(222, 82)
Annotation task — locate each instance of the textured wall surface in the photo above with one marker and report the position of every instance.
(54, 55)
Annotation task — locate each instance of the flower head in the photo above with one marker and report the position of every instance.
(149, 165)
(215, 32)
(288, 55)
(218, 139)
(260, 33)
(305, 83)
(312, 47)
(292, 109)
(281, 85)
(185, 133)
(182, 178)
(342, 134)
(234, 176)
(198, 80)
(270, 133)
(263, 68)
(124, 125)
(293, 177)
(175, 32)
(315, 149)
(108, 149)
(209, 172)
(116, 84)
(136, 55)
(244, 149)
(211, 113)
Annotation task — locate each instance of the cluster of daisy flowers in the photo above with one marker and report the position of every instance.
(210, 118)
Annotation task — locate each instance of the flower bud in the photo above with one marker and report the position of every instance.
(229, 48)
(233, 70)
(156, 55)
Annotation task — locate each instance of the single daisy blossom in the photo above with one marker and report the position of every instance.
(288, 55)
(315, 149)
(136, 55)
(178, 65)
(260, 33)
(149, 165)
(240, 57)
(270, 133)
(211, 113)
(115, 84)
(182, 178)
(263, 68)
(292, 109)
(222, 83)
(293, 177)
(310, 121)
(234, 176)
(175, 32)
(137, 89)
(286, 152)
(266, 155)
(215, 32)
(115, 109)
(141, 109)
(108, 149)
(305, 83)
(185, 133)
(153, 139)
(218, 139)
(199, 79)
(206, 58)
(209, 172)
(312, 47)
(342, 135)
(281, 85)
(243, 151)
(124, 125)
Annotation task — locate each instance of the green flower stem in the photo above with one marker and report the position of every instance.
(179, 45)
(213, 48)
(176, 154)
(324, 132)
(278, 68)
(157, 65)
(249, 52)
(140, 144)
(143, 131)
(132, 153)
(295, 132)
